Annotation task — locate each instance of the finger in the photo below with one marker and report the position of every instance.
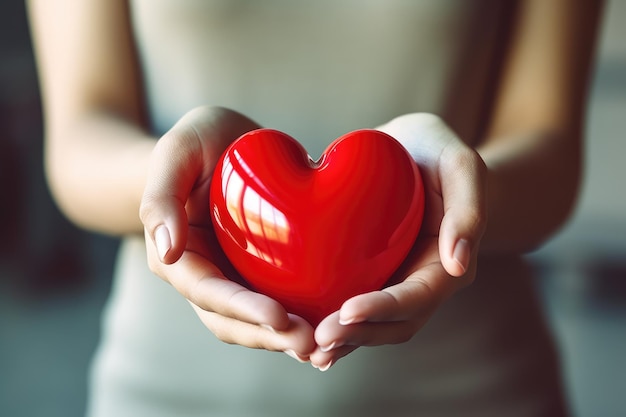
(457, 172)
(184, 157)
(333, 337)
(296, 338)
(176, 164)
(464, 193)
(391, 316)
(399, 302)
(324, 360)
(406, 301)
(202, 283)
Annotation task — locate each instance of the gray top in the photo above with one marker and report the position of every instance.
(316, 70)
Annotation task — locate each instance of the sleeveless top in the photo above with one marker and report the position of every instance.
(319, 69)
(316, 70)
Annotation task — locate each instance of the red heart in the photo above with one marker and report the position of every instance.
(313, 234)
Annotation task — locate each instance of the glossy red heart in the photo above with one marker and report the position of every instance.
(313, 234)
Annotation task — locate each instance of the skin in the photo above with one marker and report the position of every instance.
(104, 168)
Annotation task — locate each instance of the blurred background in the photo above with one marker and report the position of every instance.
(54, 278)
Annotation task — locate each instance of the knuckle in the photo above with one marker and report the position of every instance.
(194, 294)
(466, 159)
(478, 217)
(220, 326)
(224, 335)
(209, 293)
(418, 120)
(145, 209)
(221, 332)
(149, 207)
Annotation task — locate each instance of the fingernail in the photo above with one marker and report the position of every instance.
(162, 240)
(345, 322)
(292, 353)
(328, 347)
(326, 367)
(461, 254)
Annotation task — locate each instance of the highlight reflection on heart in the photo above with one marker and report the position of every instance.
(313, 234)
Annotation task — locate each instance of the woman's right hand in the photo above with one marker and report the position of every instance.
(181, 245)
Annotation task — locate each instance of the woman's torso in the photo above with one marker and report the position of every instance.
(319, 69)
(316, 70)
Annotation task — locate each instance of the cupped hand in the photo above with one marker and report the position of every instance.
(444, 257)
(181, 245)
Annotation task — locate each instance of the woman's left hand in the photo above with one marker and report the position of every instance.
(444, 257)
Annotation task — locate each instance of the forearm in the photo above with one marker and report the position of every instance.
(533, 181)
(96, 152)
(533, 141)
(96, 168)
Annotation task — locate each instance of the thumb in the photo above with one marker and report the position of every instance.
(175, 166)
(464, 193)
(458, 173)
(184, 157)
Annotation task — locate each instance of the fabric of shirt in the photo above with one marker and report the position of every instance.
(317, 70)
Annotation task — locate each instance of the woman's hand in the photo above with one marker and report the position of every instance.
(444, 257)
(181, 244)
